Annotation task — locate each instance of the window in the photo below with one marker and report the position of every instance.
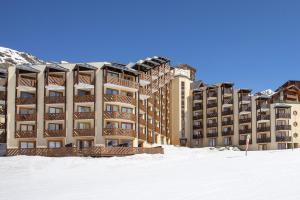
(84, 109)
(26, 111)
(112, 108)
(212, 142)
(125, 143)
(26, 127)
(83, 93)
(295, 113)
(111, 91)
(227, 141)
(127, 110)
(54, 144)
(27, 145)
(27, 95)
(125, 93)
(112, 143)
(127, 126)
(55, 110)
(55, 94)
(84, 125)
(112, 125)
(55, 127)
(281, 146)
(84, 144)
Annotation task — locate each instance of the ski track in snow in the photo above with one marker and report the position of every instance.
(179, 174)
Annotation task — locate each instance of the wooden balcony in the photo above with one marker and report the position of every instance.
(25, 101)
(213, 134)
(55, 116)
(227, 132)
(54, 100)
(26, 117)
(154, 72)
(83, 99)
(119, 98)
(143, 108)
(119, 115)
(142, 136)
(28, 82)
(228, 101)
(25, 134)
(142, 121)
(283, 138)
(283, 127)
(145, 77)
(118, 132)
(55, 133)
(263, 140)
(83, 132)
(85, 79)
(121, 82)
(283, 115)
(156, 129)
(56, 80)
(145, 91)
(245, 131)
(155, 86)
(150, 126)
(246, 120)
(161, 82)
(84, 115)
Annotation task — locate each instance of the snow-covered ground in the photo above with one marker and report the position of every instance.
(180, 173)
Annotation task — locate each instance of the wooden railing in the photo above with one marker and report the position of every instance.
(58, 99)
(84, 115)
(85, 78)
(22, 101)
(84, 132)
(85, 98)
(26, 117)
(55, 116)
(55, 133)
(119, 115)
(155, 85)
(56, 80)
(161, 82)
(145, 77)
(228, 101)
(93, 151)
(25, 134)
(154, 72)
(119, 98)
(118, 132)
(145, 91)
(142, 136)
(143, 107)
(142, 121)
(211, 115)
(29, 82)
(122, 82)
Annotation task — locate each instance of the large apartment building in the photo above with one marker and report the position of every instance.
(86, 104)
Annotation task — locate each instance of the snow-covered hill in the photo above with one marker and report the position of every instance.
(181, 174)
(267, 92)
(12, 57)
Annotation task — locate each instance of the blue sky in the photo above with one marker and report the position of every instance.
(255, 44)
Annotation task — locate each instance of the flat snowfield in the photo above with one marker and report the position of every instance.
(179, 174)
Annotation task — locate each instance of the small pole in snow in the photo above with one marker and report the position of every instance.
(247, 143)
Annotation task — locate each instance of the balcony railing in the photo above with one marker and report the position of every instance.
(211, 115)
(283, 115)
(119, 115)
(118, 132)
(227, 123)
(142, 136)
(55, 133)
(145, 91)
(227, 112)
(198, 107)
(212, 105)
(245, 98)
(84, 115)
(245, 109)
(56, 80)
(58, 99)
(263, 140)
(142, 121)
(227, 90)
(198, 97)
(85, 78)
(23, 101)
(227, 132)
(228, 101)
(245, 131)
(246, 120)
(28, 82)
(55, 116)
(263, 129)
(283, 127)
(25, 134)
(215, 134)
(263, 117)
(122, 82)
(197, 136)
(84, 132)
(212, 94)
(283, 138)
(2, 125)
(210, 125)
(119, 98)
(197, 117)
(197, 126)
(26, 117)
(85, 98)
(145, 77)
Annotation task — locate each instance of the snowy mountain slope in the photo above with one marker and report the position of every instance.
(179, 174)
(267, 92)
(12, 57)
